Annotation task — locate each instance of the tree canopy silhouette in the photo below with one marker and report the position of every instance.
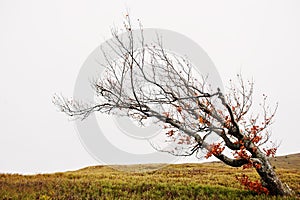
(149, 82)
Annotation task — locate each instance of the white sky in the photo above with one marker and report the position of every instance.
(44, 43)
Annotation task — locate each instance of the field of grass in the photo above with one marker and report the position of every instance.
(182, 181)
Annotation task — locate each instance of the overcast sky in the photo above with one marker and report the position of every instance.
(43, 45)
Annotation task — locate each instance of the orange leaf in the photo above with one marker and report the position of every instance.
(179, 109)
(201, 120)
(167, 114)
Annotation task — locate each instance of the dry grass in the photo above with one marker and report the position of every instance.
(182, 181)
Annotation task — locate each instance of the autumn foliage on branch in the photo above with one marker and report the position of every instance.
(149, 82)
(255, 186)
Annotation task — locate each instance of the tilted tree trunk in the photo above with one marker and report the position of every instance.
(269, 178)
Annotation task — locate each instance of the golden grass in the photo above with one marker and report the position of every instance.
(180, 181)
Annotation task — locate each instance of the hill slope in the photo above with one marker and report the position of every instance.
(180, 181)
(291, 161)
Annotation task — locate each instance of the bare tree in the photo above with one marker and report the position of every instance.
(146, 82)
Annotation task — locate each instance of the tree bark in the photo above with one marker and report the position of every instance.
(269, 178)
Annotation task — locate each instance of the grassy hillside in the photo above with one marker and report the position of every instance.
(291, 161)
(182, 181)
